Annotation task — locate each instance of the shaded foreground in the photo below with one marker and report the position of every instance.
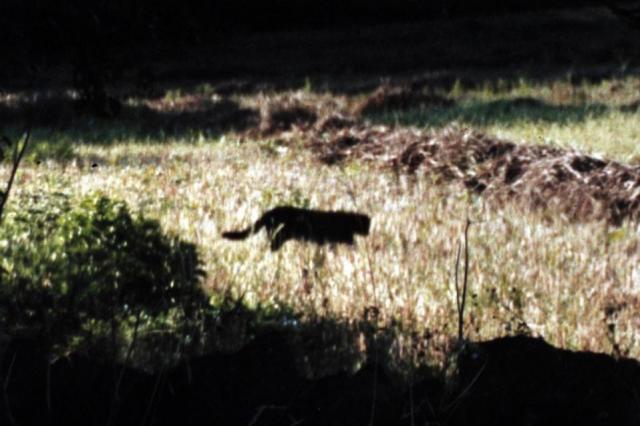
(506, 381)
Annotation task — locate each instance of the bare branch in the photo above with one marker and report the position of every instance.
(461, 296)
(18, 154)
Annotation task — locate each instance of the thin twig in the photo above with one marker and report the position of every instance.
(351, 192)
(18, 153)
(461, 295)
(149, 413)
(376, 357)
(453, 404)
(48, 390)
(465, 283)
(116, 392)
(264, 408)
(457, 268)
(5, 388)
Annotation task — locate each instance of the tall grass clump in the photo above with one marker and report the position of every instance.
(77, 273)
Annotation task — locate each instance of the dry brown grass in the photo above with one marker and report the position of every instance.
(573, 283)
(579, 186)
(388, 97)
(544, 256)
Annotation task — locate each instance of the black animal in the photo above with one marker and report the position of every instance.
(286, 223)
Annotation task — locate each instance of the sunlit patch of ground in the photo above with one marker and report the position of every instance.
(203, 162)
(574, 284)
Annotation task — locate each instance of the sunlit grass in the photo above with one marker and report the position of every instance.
(600, 118)
(574, 284)
(614, 135)
(577, 285)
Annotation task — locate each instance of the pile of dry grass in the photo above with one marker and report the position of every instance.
(297, 116)
(281, 116)
(388, 97)
(197, 112)
(579, 186)
(297, 112)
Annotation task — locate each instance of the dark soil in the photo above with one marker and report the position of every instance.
(525, 381)
(507, 381)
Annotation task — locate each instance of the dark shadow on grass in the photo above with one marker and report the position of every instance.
(506, 381)
(263, 380)
(59, 116)
(499, 112)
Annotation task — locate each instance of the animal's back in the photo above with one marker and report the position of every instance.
(284, 223)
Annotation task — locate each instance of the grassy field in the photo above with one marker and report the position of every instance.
(599, 118)
(575, 284)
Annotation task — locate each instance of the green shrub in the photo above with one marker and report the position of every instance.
(73, 271)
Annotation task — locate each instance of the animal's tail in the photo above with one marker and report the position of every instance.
(241, 235)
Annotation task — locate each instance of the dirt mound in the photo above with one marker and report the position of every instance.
(581, 187)
(388, 97)
(197, 112)
(297, 116)
(281, 115)
(525, 381)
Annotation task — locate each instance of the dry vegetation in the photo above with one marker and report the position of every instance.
(560, 270)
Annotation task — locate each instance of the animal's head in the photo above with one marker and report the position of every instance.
(362, 224)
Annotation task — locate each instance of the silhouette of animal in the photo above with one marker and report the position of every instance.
(284, 223)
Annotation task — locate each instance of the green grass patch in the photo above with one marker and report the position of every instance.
(602, 118)
(574, 284)
(527, 272)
